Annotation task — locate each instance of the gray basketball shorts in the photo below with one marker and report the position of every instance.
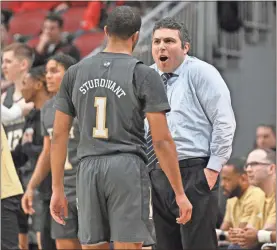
(113, 200)
(70, 229)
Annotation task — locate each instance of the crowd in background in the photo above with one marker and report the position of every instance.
(247, 183)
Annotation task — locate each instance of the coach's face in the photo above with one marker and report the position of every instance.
(231, 181)
(167, 50)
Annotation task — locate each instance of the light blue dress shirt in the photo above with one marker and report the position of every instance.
(201, 120)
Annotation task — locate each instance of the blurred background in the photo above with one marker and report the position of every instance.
(238, 38)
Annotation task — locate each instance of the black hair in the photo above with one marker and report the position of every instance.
(38, 73)
(123, 22)
(171, 23)
(238, 164)
(54, 17)
(63, 59)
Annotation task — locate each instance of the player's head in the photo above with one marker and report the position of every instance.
(260, 166)
(17, 60)
(34, 83)
(123, 24)
(55, 69)
(234, 180)
(170, 44)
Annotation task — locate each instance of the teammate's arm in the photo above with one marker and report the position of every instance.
(62, 126)
(41, 170)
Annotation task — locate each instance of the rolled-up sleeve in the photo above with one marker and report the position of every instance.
(215, 100)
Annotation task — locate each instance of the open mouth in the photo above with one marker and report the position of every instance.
(163, 58)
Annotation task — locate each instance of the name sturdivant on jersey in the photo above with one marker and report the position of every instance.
(103, 83)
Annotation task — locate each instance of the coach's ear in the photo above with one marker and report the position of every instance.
(106, 30)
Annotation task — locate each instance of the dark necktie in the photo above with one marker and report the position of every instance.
(152, 159)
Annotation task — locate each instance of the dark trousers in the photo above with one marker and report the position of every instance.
(47, 242)
(199, 232)
(9, 224)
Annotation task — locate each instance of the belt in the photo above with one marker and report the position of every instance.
(188, 163)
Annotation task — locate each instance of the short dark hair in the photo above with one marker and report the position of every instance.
(171, 23)
(270, 126)
(238, 164)
(55, 18)
(63, 59)
(123, 22)
(38, 73)
(21, 51)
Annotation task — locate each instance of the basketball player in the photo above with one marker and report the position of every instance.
(17, 60)
(110, 93)
(65, 236)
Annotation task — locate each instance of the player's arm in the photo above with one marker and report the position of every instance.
(41, 170)
(62, 125)
(165, 150)
(153, 97)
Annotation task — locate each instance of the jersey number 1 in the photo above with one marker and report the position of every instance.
(100, 131)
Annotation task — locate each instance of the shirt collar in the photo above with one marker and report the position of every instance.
(178, 71)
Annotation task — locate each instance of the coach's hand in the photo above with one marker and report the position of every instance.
(27, 201)
(185, 209)
(211, 176)
(58, 206)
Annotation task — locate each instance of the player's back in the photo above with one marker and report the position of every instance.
(109, 112)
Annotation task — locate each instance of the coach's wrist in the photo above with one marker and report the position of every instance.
(58, 188)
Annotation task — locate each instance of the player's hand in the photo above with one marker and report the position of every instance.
(58, 206)
(185, 209)
(211, 176)
(27, 201)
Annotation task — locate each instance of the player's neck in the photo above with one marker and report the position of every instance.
(119, 46)
(41, 98)
(18, 84)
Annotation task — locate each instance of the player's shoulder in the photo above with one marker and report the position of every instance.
(48, 104)
(142, 70)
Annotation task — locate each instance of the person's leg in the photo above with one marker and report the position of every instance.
(167, 230)
(66, 236)
(199, 232)
(9, 223)
(101, 246)
(23, 240)
(127, 187)
(93, 219)
(45, 231)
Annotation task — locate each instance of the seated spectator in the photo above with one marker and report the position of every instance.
(266, 137)
(261, 167)
(243, 199)
(51, 41)
(21, 6)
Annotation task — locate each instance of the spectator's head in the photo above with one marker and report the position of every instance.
(17, 60)
(34, 85)
(170, 44)
(266, 137)
(234, 179)
(53, 27)
(123, 25)
(55, 69)
(260, 166)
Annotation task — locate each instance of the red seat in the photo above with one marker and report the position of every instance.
(78, 3)
(33, 42)
(87, 42)
(27, 23)
(72, 18)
